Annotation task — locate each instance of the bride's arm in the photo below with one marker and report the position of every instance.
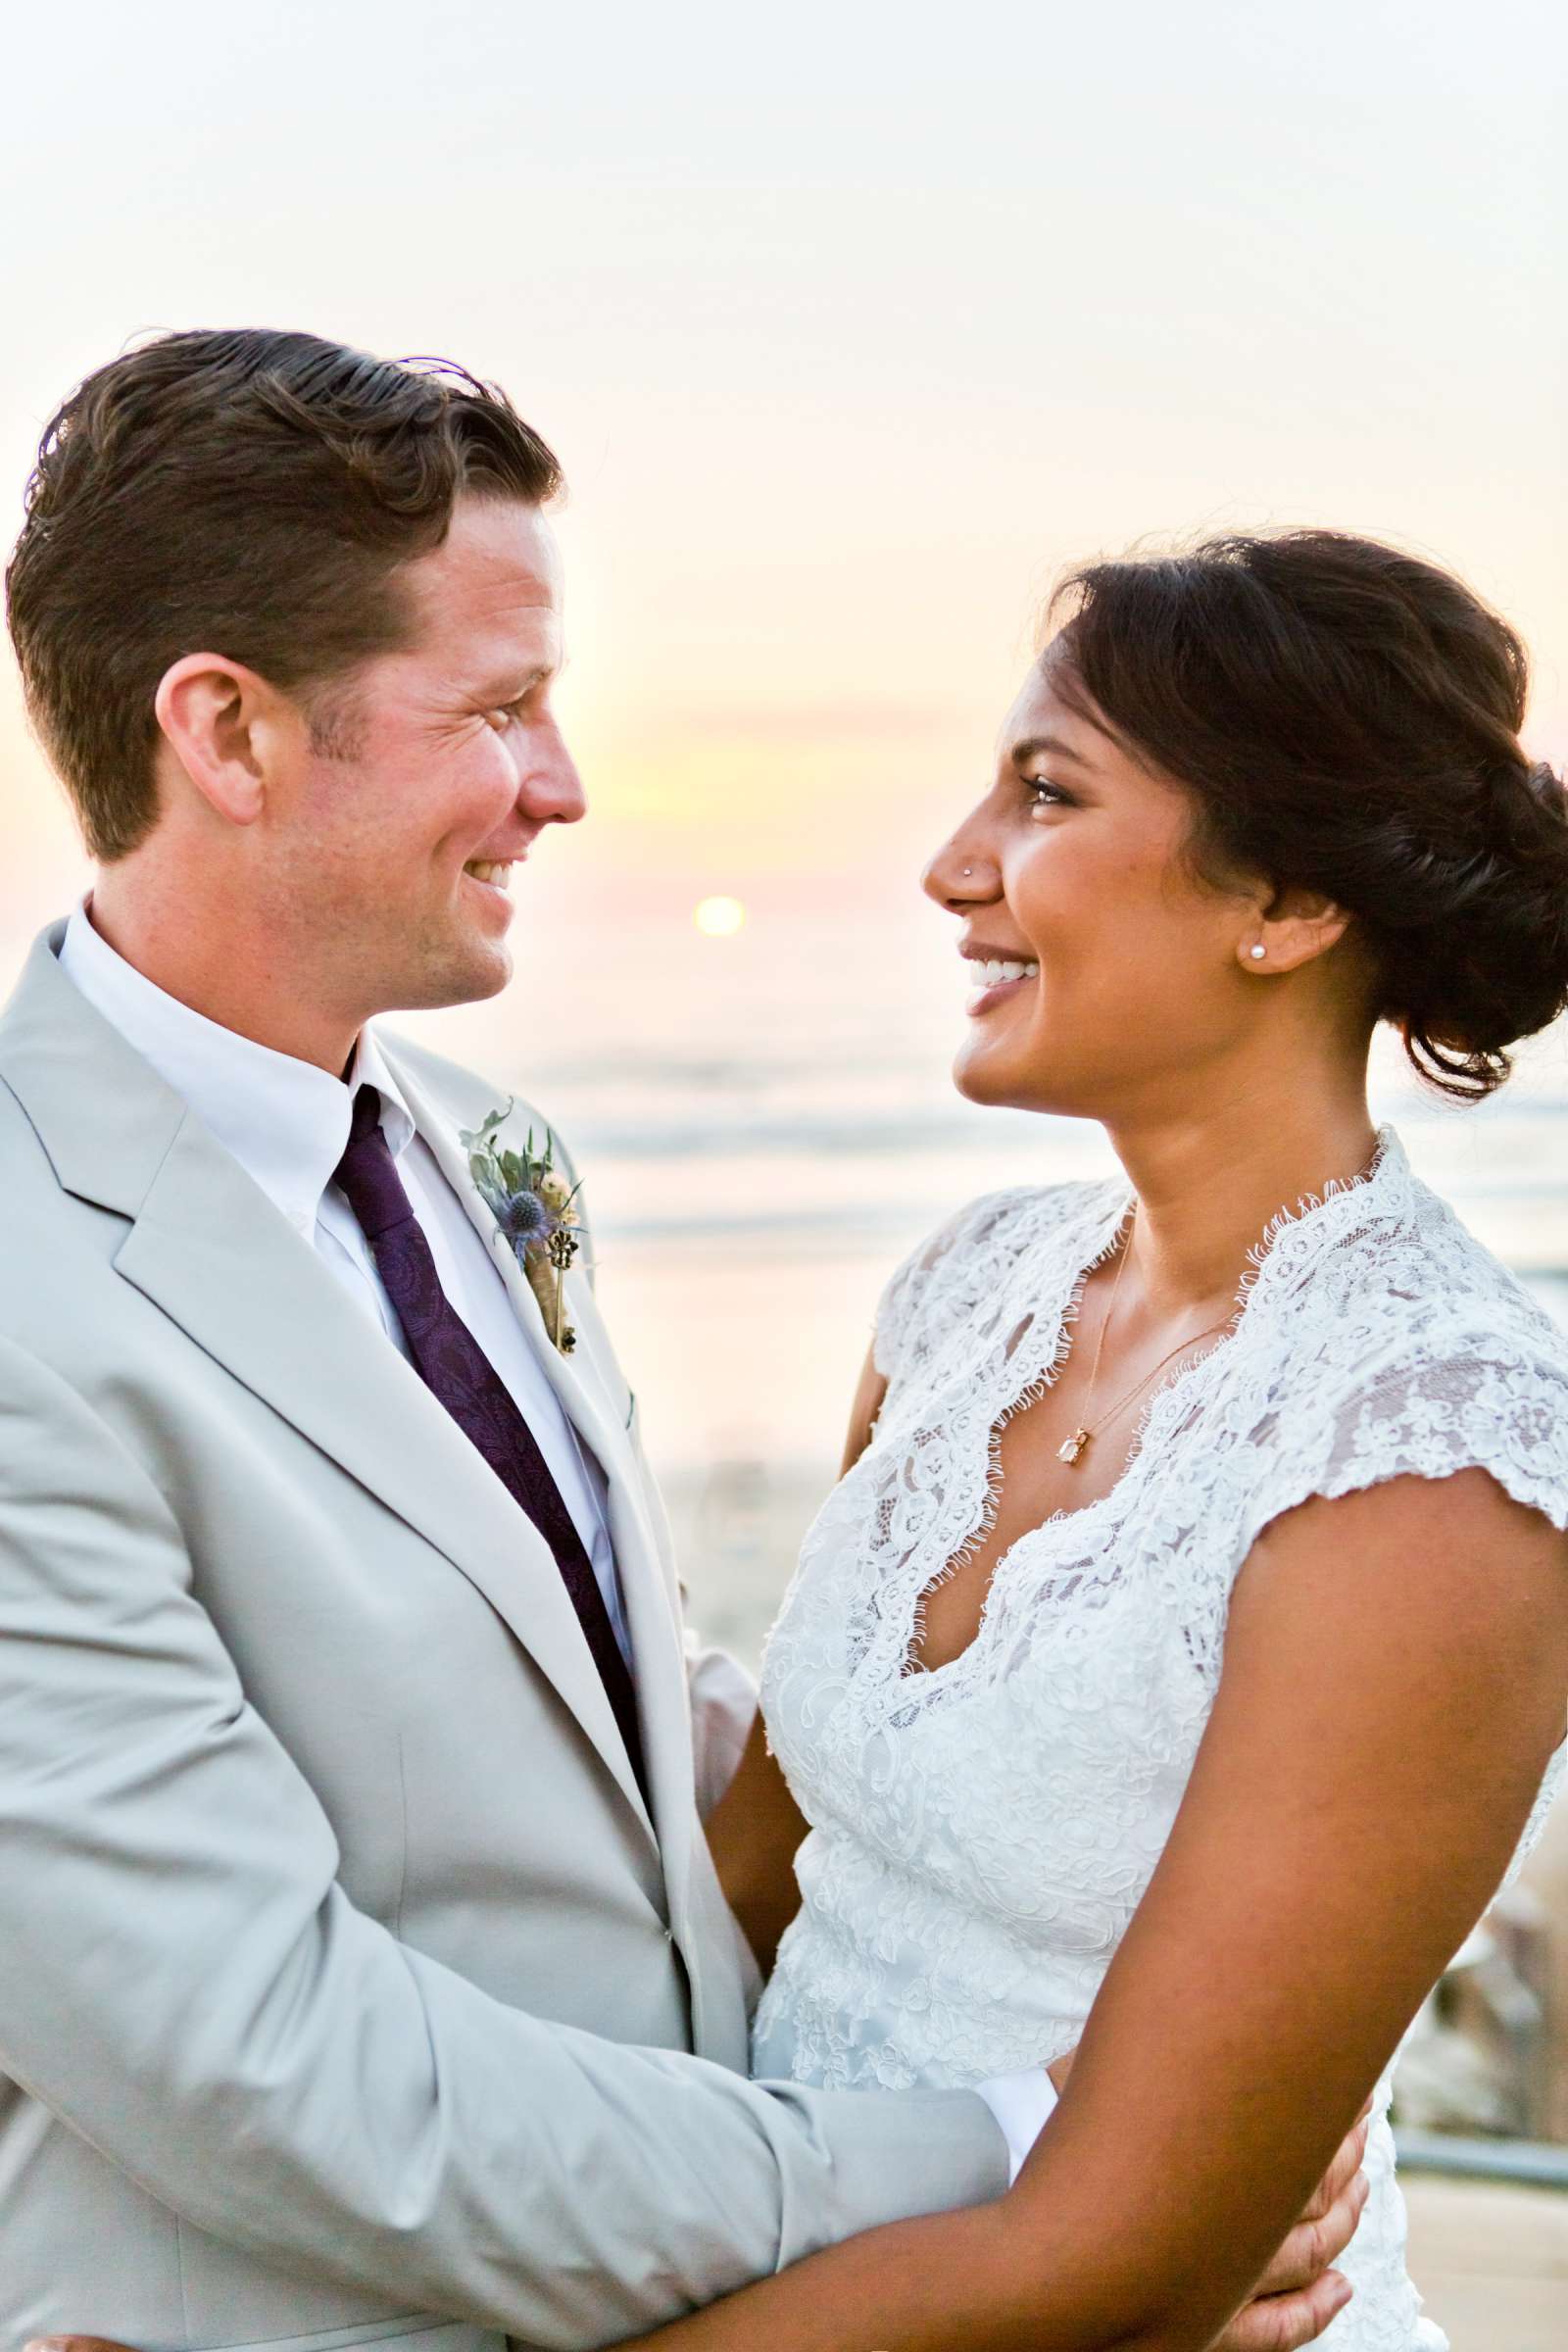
(754, 1831)
(1395, 1665)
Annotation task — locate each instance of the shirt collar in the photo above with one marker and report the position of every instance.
(285, 1121)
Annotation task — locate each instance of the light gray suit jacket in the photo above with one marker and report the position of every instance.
(348, 1991)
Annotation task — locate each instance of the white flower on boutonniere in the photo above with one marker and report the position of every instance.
(535, 1214)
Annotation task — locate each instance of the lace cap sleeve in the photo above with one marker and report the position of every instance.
(931, 1289)
(1478, 1399)
(900, 1293)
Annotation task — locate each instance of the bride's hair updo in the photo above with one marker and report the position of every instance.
(1346, 720)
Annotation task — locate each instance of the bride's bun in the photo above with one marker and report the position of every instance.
(1490, 963)
(1347, 718)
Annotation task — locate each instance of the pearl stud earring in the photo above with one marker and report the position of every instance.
(1257, 951)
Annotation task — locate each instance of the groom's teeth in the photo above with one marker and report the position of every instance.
(484, 869)
(995, 974)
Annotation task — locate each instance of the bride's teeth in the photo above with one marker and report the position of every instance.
(996, 974)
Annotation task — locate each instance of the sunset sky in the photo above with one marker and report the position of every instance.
(852, 327)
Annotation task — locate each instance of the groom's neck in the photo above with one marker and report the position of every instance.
(220, 970)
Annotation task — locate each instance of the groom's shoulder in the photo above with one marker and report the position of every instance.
(51, 1244)
(27, 1171)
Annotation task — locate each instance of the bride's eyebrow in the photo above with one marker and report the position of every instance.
(1051, 746)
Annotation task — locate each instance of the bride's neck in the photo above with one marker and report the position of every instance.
(1210, 1181)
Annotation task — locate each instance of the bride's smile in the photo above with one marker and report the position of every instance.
(995, 977)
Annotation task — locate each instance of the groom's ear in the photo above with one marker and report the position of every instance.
(229, 731)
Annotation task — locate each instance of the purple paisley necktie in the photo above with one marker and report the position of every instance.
(455, 1367)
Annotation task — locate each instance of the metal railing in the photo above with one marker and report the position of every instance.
(1532, 2162)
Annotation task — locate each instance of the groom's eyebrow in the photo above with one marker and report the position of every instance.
(510, 685)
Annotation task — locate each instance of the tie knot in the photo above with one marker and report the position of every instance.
(367, 1116)
(367, 1173)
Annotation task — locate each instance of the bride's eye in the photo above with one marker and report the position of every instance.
(1044, 795)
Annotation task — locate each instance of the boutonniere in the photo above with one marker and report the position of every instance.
(535, 1213)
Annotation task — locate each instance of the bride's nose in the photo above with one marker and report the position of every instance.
(961, 876)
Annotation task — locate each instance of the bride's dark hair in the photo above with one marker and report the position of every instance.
(1346, 720)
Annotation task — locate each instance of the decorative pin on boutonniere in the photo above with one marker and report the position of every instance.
(535, 1214)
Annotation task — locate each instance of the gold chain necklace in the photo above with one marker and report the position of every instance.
(1072, 1450)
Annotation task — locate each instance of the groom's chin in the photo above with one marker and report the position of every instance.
(485, 973)
(466, 974)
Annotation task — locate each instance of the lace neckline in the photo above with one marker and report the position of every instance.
(1293, 1241)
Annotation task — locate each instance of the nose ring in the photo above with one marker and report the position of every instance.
(967, 871)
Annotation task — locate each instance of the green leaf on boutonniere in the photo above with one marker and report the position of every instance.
(534, 1212)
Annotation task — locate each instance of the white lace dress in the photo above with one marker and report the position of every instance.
(982, 1833)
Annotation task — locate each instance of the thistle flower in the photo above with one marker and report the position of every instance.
(531, 1204)
(525, 1220)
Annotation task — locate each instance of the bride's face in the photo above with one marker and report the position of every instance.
(1072, 868)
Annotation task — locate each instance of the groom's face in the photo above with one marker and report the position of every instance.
(449, 765)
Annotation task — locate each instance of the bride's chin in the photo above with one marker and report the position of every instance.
(975, 1082)
(1006, 1082)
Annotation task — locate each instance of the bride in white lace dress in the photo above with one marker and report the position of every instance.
(1185, 1652)
(984, 1831)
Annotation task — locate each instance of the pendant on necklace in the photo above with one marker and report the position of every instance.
(1073, 1445)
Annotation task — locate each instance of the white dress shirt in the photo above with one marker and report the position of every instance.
(287, 1124)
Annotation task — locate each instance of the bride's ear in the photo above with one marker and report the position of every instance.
(229, 731)
(1292, 928)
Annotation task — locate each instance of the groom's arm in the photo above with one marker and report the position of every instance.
(187, 1986)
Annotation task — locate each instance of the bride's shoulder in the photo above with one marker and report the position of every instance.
(1414, 1350)
(961, 1262)
(1422, 1285)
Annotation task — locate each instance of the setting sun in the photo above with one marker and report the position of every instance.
(719, 918)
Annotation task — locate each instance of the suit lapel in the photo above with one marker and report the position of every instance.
(209, 1250)
(658, 1659)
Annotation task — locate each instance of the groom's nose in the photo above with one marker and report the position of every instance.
(551, 791)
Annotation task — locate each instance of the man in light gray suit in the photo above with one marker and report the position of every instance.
(365, 1973)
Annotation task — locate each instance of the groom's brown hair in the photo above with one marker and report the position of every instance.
(250, 493)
